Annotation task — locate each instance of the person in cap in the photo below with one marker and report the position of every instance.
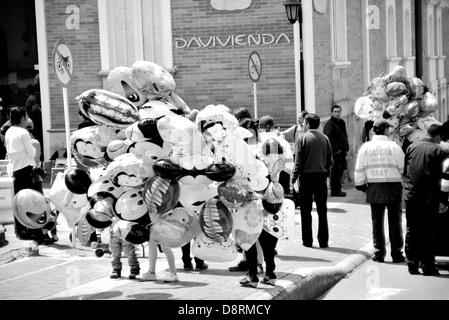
(378, 173)
(423, 173)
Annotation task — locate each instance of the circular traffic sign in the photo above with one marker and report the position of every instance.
(254, 66)
(63, 63)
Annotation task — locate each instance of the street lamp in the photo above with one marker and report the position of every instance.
(293, 9)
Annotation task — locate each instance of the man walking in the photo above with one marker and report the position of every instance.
(423, 173)
(378, 172)
(335, 130)
(313, 163)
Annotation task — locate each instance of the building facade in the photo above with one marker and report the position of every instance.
(208, 44)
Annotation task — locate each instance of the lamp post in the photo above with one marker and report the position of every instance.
(293, 9)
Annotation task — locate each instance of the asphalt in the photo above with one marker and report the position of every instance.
(67, 271)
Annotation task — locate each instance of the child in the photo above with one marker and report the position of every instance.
(117, 244)
(152, 257)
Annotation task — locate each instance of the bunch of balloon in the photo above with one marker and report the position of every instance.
(404, 101)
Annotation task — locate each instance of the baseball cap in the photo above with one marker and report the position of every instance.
(380, 125)
(266, 121)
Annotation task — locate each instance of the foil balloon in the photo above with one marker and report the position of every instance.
(104, 187)
(395, 89)
(120, 81)
(97, 221)
(130, 170)
(176, 130)
(102, 207)
(107, 108)
(131, 207)
(235, 193)
(161, 195)
(155, 109)
(216, 220)
(194, 198)
(89, 145)
(425, 122)
(69, 205)
(215, 121)
(416, 135)
(166, 169)
(153, 80)
(194, 170)
(77, 181)
(31, 208)
(247, 225)
(412, 109)
(397, 74)
(142, 130)
(364, 107)
(417, 87)
(377, 88)
(273, 197)
(220, 171)
(175, 228)
(84, 231)
(274, 157)
(429, 104)
(282, 224)
(210, 250)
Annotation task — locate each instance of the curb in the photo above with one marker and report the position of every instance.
(310, 283)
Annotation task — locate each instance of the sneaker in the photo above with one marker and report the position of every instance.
(269, 280)
(259, 269)
(116, 274)
(148, 276)
(241, 266)
(188, 267)
(170, 277)
(133, 275)
(430, 271)
(249, 281)
(202, 267)
(413, 268)
(378, 259)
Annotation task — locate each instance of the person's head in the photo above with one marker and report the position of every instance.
(18, 116)
(301, 117)
(30, 126)
(381, 127)
(242, 113)
(434, 132)
(266, 123)
(336, 111)
(312, 121)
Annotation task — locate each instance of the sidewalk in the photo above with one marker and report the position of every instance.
(60, 271)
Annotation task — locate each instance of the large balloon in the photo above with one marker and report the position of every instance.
(247, 225)
(282, 224)
(235, 193)
(161, 195)
(364, 107)
(216, 220)
(193, 198)
(120, 81)
(130, 170)
(130, 207)
(31, 209)
(131, 231)
(175, 228)
(220, 171)
(210, 250)
(194, 170)
(273, 197)
(165, 168)
(77, 181)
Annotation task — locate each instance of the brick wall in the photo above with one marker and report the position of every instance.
(85, 47)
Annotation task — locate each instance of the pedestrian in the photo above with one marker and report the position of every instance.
(118, 245)
(313, 164)
(150, 275)
(32, 106)
(335, 130)
(423, 172)
(246, 121)
(200, 265)
(291, 135)
(378, 172)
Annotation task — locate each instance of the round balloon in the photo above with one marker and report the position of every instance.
(210, 250)
(155, 109)
(194, 198)
(77, 181)
(130, 207)
(220, 171)
(31, 208)
(235, 193)
(216, 220)
(273, 197)
(161, 195)
(282, 224)
(247, 225)
(120, 81)
(364, 107)
(132, 232)
(96, 221)
(130, 170)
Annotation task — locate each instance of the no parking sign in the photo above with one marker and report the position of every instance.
(63, 63)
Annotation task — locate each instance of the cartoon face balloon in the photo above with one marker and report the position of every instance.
(273, 197)
(130, 170)
(282, 224)
(216, 220)
(235, 193)
(130, 207)
(175, 228)
(364, 107)
(247, 225)
(193, 198)
(31, 209)
(194, 170)
(155, 109)
(161, 195)
(131, 231)
(207, 249)
(120, 81)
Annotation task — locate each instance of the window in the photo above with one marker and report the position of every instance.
(133, 30)
(391, 30)
(338, 32)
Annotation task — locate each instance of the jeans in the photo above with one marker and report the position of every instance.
(394, 228)
(313, 187)
(268, 246)
(116, 245)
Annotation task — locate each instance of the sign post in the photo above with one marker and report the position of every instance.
(255, 71)
(63, 65)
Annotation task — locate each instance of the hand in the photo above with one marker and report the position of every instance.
(363, 188)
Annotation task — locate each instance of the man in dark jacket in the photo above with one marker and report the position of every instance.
(423, 172)
(335, 130)
(313, 163)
